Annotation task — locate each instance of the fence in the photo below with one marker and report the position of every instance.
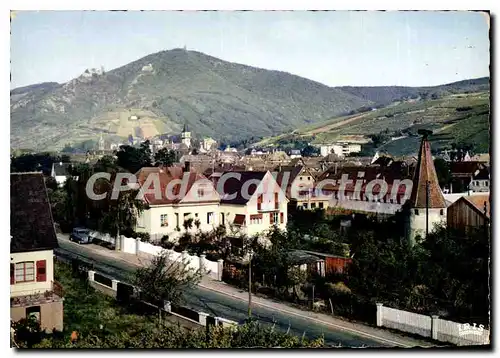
(212, 269)
(125, 293)
(431, 326)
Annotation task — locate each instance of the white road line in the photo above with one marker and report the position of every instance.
(361, 333)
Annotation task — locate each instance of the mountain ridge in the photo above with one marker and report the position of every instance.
(216, 98)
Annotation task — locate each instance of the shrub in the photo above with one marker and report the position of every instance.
(143, 236)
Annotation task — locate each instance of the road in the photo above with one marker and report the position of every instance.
(236, 309)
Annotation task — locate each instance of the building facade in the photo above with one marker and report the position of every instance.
(33, 290)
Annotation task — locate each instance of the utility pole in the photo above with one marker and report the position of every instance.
(427, 207)
(250, 286)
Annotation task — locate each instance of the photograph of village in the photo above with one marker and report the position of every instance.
(250, 179)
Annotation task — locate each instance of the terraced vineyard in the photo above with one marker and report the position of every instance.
(458, 118)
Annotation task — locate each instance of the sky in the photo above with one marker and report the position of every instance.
(336, 48)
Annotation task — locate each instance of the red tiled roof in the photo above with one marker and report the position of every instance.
(424, 172)
(166, 175)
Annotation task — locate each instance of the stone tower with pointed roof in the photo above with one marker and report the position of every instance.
(186, 136)
(427, 205)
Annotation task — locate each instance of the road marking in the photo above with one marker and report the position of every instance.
(361, 333)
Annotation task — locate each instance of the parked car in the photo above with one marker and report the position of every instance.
(80, 235)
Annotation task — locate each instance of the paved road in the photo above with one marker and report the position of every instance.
(222, 305)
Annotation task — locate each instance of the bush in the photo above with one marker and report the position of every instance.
(143, 236)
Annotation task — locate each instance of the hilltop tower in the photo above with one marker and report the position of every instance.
(427, 205)
(186, 136)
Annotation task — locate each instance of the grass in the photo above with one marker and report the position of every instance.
(85, 308)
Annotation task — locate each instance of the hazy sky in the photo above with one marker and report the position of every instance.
(335, 48)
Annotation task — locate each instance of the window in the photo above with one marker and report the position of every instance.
(308, 178)
(441, 212)
(313, 205)
(163, 220)
(304, 205)
(321, 205)
(273, 218)
(416, 211)
(300, 178)
(259, 202)
(282, 219)
(276, 200)
(486, 183)
(201, 193)
(25, 271)
(256, 219)
(210, 218)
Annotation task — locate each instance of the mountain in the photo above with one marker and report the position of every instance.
(165, 90)
(161, 92)
(387, 94)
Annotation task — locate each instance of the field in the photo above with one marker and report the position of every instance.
(459, 118)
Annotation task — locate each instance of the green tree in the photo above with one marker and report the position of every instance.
(165, 279)
(132, 158)
(165, 157)
(443, 172)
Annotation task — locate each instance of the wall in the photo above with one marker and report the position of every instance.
(29, 288)
(212, 269)
(460, 214)
(428, 326)
(51, 315)
(418, 222)
(183, 312)
(151, 218)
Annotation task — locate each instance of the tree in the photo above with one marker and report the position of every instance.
(443, 172)
(165, 280)
(133, 159)
(120, 215)
(310, 151)
(165, 157)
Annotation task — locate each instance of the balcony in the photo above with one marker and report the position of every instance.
(55, 294)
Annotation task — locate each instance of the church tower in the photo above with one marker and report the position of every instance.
(427, 205)
(186, 136)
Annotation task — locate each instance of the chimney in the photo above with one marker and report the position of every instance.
(187, 166)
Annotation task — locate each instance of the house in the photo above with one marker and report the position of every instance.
(251, 202)
(365, 189)
(480, 181)
(193, 202)
(342, 149)
(33, 291)
(298, 183)
(295, 153)
(462, 174)
(469, 212)
(60, 172)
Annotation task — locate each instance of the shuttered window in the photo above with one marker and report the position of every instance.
(281, 218)
(41, 271)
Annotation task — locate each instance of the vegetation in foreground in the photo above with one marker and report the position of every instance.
(101, 323)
